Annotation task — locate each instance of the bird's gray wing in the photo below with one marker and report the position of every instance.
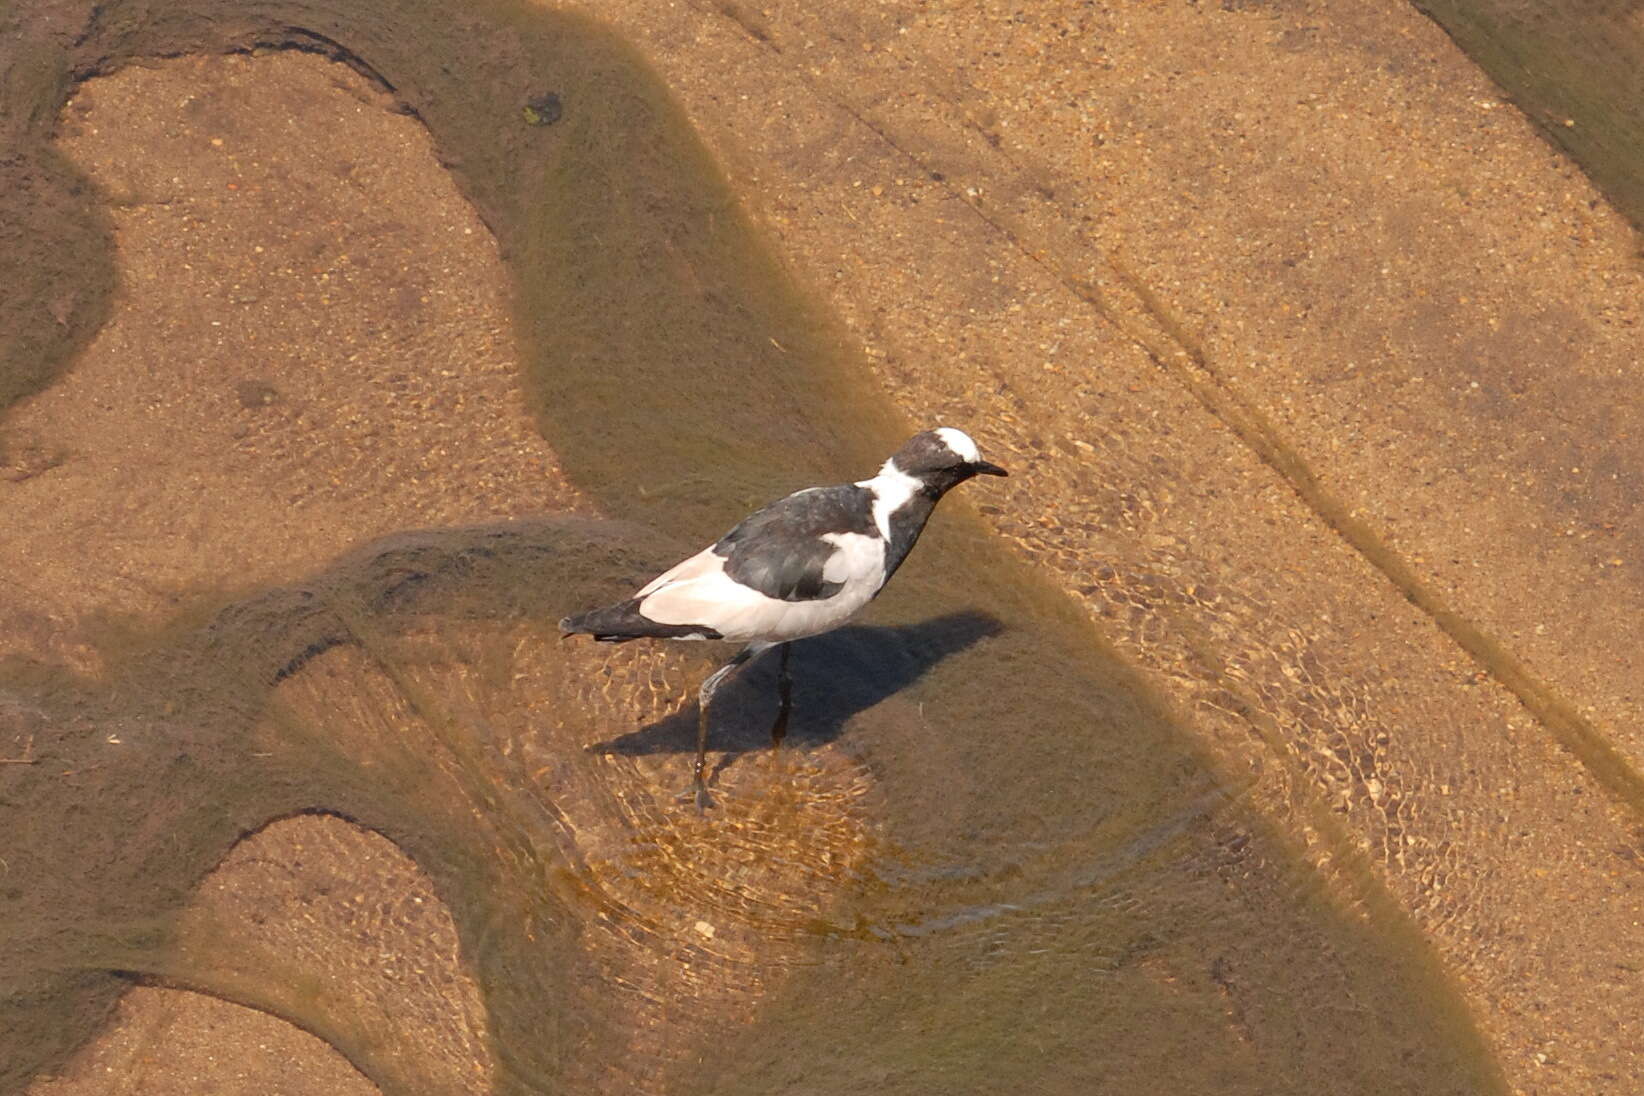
(779, 550)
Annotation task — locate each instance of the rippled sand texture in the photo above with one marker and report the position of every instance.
(283, 344)
(310, 912)
(285, 372)
(162, 1040)
(284, 375)
(682, 922)
(614, 933)
(1137, 260)
(1125, 244)
(281, 341)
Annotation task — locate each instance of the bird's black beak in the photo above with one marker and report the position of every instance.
(986, 468)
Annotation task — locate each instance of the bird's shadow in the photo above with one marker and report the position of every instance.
(835, 676)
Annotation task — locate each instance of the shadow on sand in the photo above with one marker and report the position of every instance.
(835, 676)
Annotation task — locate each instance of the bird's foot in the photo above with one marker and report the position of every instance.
(698, 792)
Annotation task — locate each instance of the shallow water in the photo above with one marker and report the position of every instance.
(989, 857)
(1576, 68)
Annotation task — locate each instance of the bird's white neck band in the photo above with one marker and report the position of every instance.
(891, 488)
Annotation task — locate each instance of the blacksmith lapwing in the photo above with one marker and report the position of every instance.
(801, 566)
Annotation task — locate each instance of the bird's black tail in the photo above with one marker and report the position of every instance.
(623, 621)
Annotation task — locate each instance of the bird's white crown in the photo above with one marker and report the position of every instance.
(960, 443)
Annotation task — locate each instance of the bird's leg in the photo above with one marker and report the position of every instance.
(784, 687)
(703, 697)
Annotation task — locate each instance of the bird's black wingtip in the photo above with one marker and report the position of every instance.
(622, 622)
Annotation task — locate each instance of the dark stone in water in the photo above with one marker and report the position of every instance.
(543, 110)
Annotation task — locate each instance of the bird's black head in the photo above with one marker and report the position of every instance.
(941, 458)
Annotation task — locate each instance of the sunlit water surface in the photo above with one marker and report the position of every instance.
(986, 857)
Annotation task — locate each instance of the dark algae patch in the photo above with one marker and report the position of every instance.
(1006, 868)
(543, 110)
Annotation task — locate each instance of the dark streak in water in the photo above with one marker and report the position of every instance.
(1187, 362)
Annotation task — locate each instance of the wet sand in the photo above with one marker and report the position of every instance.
(988, 297)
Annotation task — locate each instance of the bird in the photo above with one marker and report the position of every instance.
(801, 566)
